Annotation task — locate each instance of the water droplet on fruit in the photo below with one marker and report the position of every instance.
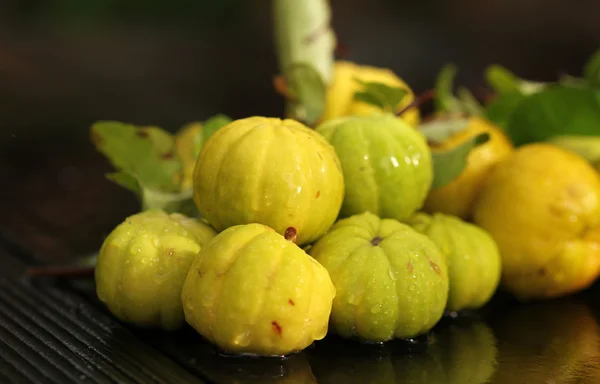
(242, 339)
(393, 274)
(394, 161)
(156, 242)
(376, 308)
(352, 299)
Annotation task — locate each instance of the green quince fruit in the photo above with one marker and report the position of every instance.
(387, 164)
(143, 263)
(473, 258)
(275, 172)
(252, 291)
(391, 281)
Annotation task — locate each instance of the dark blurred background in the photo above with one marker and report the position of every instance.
(66, 63)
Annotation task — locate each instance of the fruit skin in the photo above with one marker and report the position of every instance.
(386, 163)
(340, 101)
(542, 206)
(143, 263)
(473, 258)
(396, 288)
(251, 291)
(185, 143)
(270, 171)
(458, 197)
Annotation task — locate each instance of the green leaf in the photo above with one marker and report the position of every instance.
(147, 153)
(307, 93)
(587, 147)
(181, 202)
(439, 130)
(502, 107)
(444, 97)
(556, 111)
(448, 165)
(212, 124)
(591, 71)
(150, 198)
(504, 81)
(125, 180)
(446, 102)
(380, 95)
(469, 103)
(501, 79)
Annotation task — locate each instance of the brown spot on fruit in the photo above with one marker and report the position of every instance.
(362, 169)
(142, 133)
(376, 240)
(169, 252)
(436, 268)
(291, 234)
(200, 273)
(318, 194)
(276, 327)
(409, 267)
(291, 302)
(542, 271)
(168, 155)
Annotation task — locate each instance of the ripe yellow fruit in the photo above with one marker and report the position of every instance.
(252, 291)
(340, 94)
(458, 197)
(542, 206)
(142, 266)
(270, 171)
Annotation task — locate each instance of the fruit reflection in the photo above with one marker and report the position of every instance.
(552, 342)
(461, 352)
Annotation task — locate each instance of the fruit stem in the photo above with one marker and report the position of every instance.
(291, 234)
(418, 101)
(60, 271)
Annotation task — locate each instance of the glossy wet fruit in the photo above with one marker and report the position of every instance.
(391, 281)
(252, 291)
(340, 94)
(542, 206)
(474, 263)
(386, 163)
(270, 171)
(458, 197)
(142, 266)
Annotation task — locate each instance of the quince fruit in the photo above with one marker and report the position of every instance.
(458, 197)
(142, 266)
(252, 291)
(473, 258)
(542, 206)
(275, 172)
(391, 281)
(386, 163)
(340, 100)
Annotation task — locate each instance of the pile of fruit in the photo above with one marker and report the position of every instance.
(354, 215)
